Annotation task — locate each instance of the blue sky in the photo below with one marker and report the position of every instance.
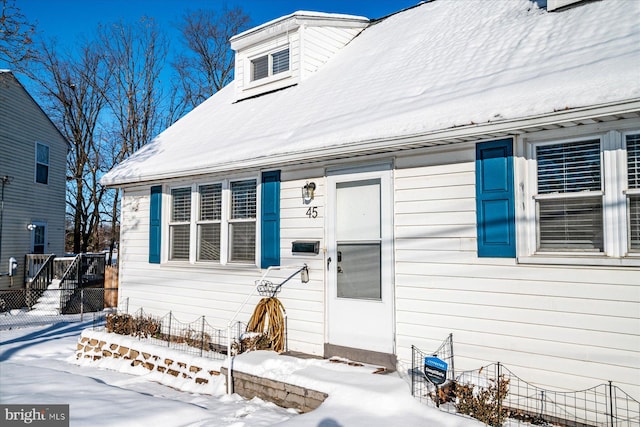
(71, 20)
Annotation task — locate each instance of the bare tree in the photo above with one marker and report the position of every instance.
(207, 64)
(137, 54)
(74, 86)
(16, 35)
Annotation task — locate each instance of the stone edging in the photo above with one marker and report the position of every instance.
(172, 368)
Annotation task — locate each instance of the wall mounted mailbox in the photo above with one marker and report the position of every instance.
(301, 247)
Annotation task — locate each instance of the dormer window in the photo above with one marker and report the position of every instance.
(269, 65)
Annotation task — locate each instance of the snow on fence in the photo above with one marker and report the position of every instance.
(497, 396)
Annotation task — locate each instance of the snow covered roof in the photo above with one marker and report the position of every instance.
(424, 72)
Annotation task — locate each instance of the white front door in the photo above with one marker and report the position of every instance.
(360, 261)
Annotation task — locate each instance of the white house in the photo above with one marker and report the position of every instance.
(33, 161)
(476, 171)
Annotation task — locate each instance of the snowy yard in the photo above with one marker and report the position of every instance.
(38, 367)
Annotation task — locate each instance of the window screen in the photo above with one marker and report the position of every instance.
(260, 68)
(565, 168)
(209, 222)
(242, 225)
(280, 61)
(179, 228)
(567, 221)
(243, 199)
(210, 202)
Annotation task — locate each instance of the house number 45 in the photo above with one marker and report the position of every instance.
(312, 212)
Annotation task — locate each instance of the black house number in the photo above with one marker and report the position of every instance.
(312, 212)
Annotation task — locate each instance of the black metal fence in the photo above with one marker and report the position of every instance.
(508, 397)
(29, 307)
(198, 337)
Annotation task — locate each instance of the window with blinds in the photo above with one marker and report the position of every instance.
(260, 68)
(633, 192)
(270, 65)
(569, 201)
(222, 226)
(179, 227)
(209, 219)
(280, 61)
(242, 221)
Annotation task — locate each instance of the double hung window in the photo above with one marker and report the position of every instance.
(569, 197)
(42, 163)
(586, 196)
(214, 222)
(270, 64)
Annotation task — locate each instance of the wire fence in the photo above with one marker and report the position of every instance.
(198, 337)
(31, 307)
(495, 395)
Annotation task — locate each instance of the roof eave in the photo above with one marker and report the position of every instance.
(465, 133)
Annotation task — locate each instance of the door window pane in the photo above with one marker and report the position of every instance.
(359, 271)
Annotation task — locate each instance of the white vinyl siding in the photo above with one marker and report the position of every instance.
(553, 325)
(321, 43)
(206, 289)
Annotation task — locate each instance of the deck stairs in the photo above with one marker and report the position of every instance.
(56, 279)
(52, 300)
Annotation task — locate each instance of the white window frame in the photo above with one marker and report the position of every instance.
(225, 221)
(37, 163)
(613, 191)
(251, 82)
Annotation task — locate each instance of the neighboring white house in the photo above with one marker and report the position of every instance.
(33, 161)
(476, 171)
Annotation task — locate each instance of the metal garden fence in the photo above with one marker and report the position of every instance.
(511, 399)
(198, 337)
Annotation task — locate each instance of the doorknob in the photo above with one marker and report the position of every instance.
(328, 262)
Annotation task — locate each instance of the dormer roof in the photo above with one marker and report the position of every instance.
(283, 52)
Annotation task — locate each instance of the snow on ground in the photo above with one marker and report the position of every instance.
(36, 367)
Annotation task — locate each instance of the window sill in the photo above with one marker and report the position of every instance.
(268, 80)
(584, 260)
(209, 265)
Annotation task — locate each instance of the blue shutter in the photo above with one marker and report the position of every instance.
(495, 208)
(155, 224)
(270, 219)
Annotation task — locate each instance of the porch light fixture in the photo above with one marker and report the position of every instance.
(307, 191)
(31, 227)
